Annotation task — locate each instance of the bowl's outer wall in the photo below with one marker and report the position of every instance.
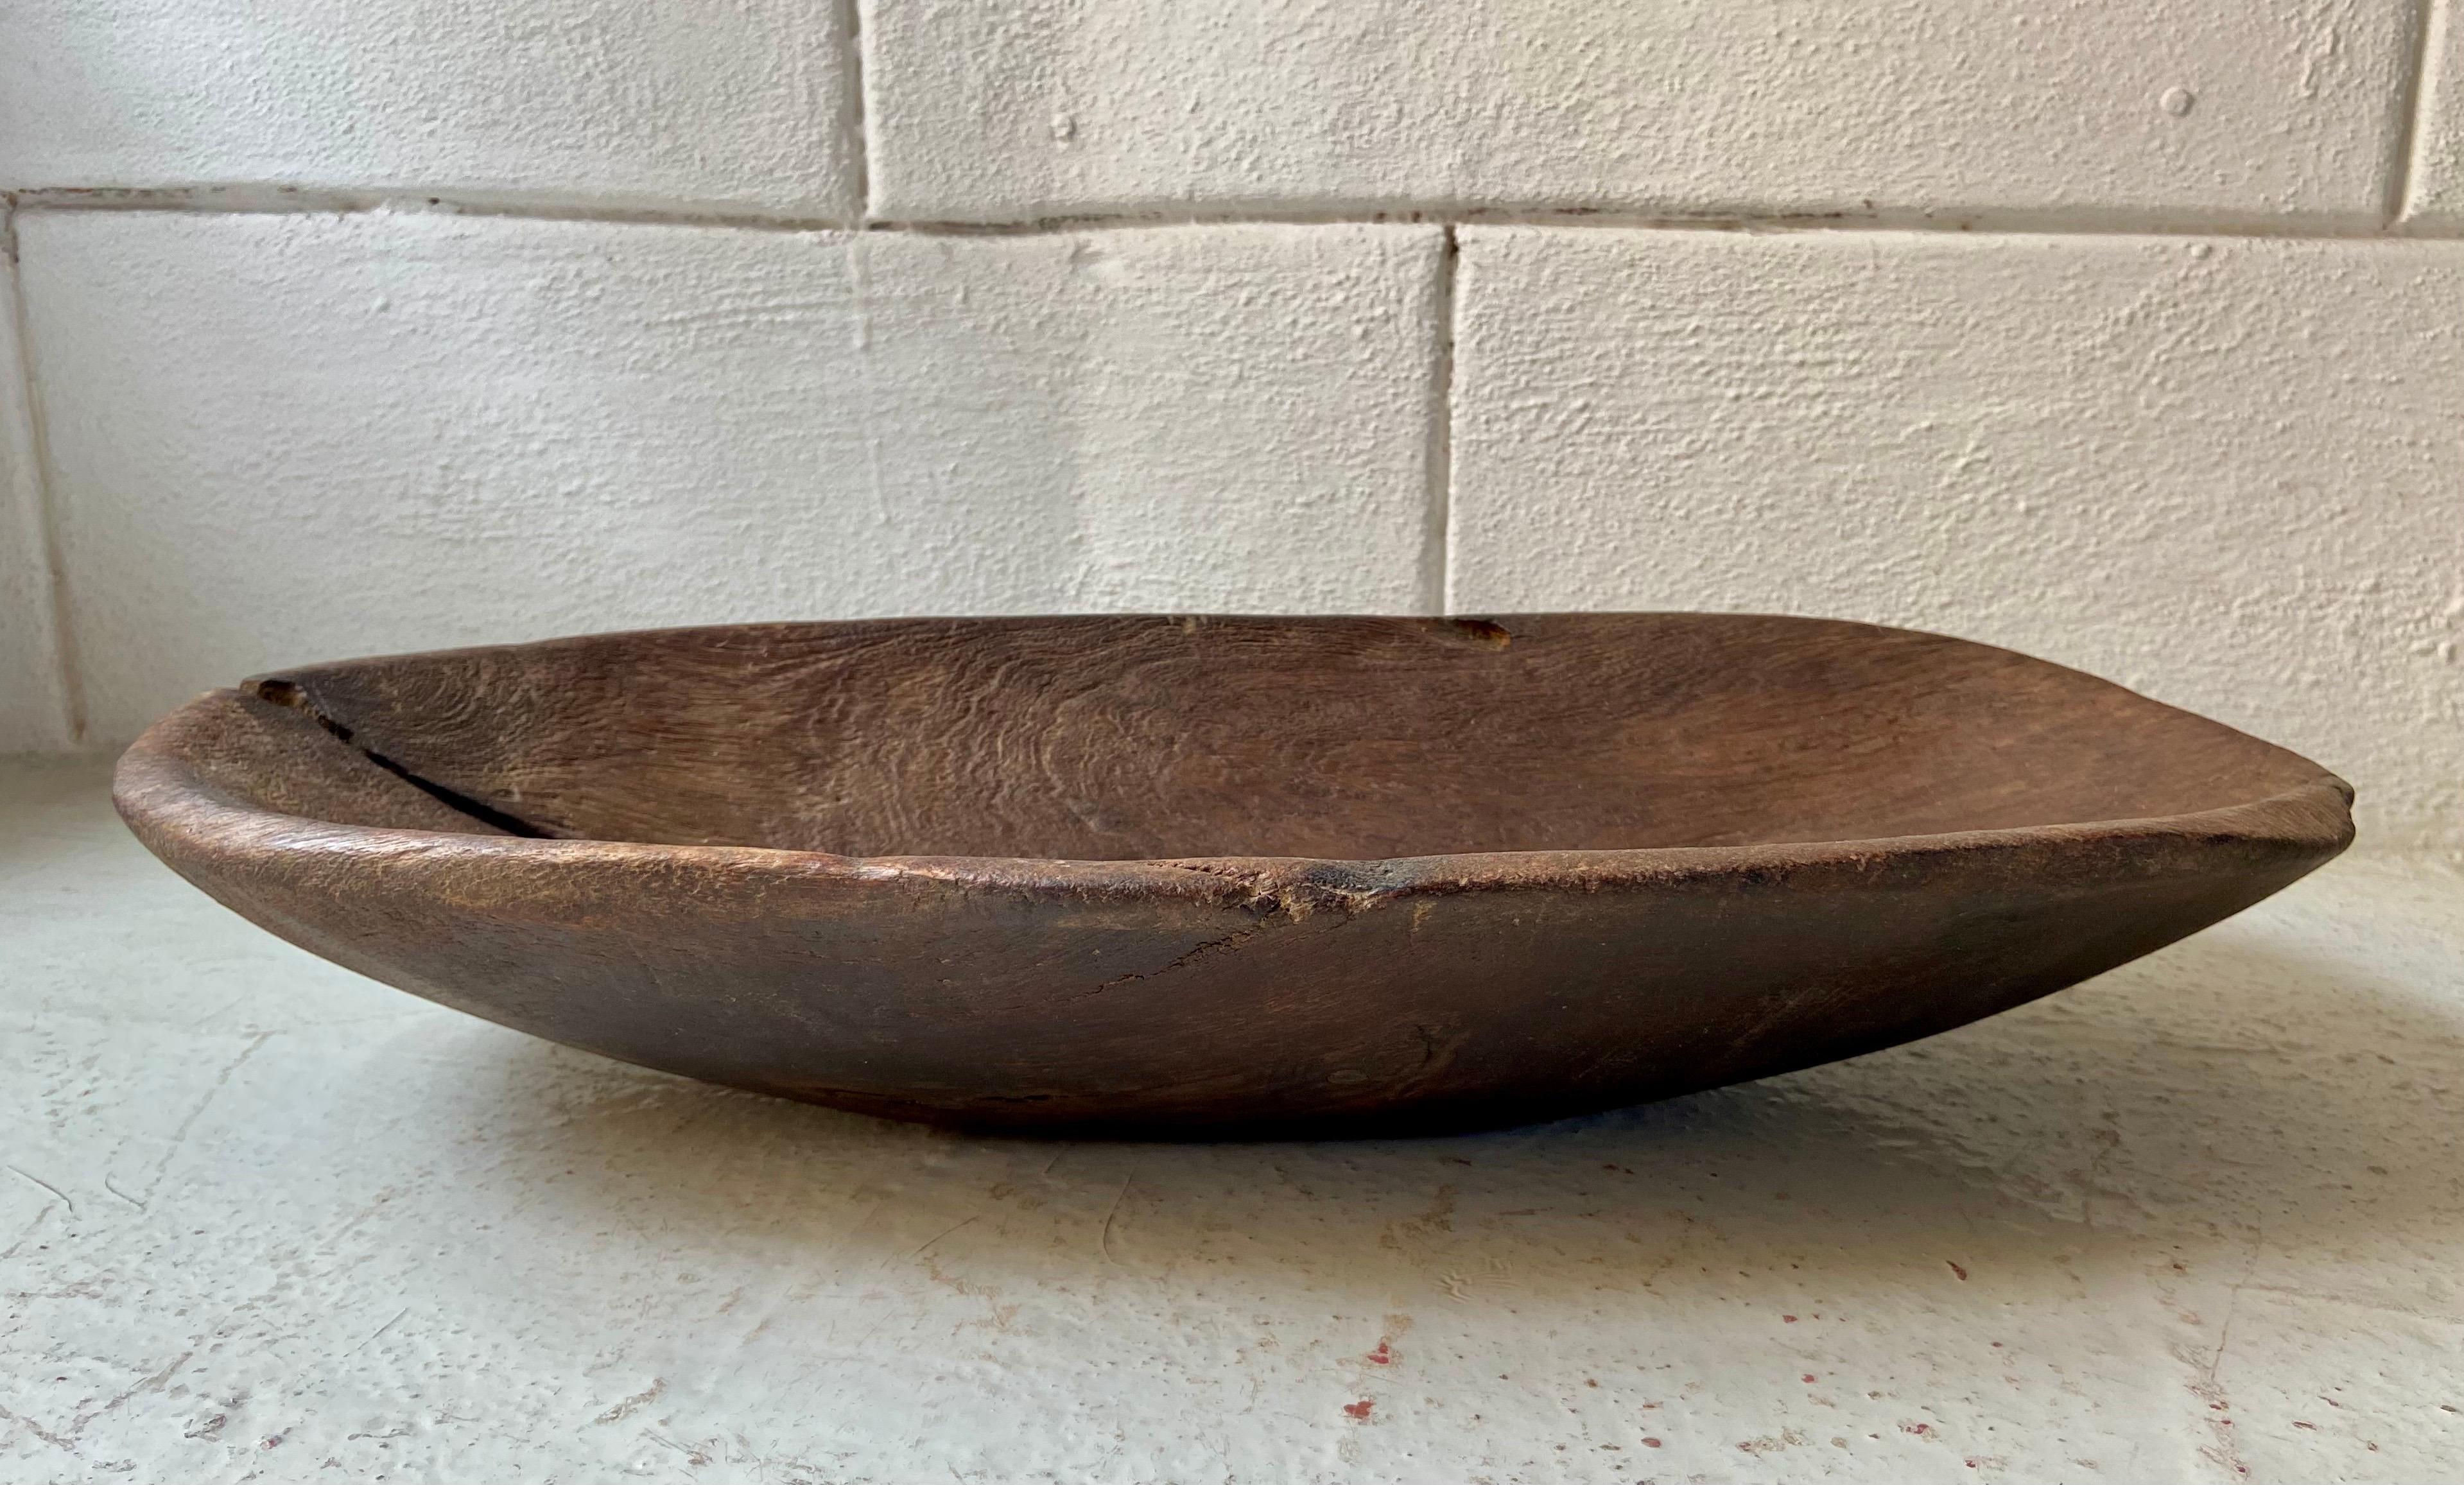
(1220, 996)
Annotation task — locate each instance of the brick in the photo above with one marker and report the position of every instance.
(2435, 199)
(33, 710)
(2262, 110)
(2219, 470)
(283, 437)
(662, 103)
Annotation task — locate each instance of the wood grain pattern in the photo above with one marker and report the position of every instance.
(1205, 875)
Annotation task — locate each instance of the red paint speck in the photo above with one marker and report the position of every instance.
(1791, 1319)
(1809, 1376)
(1957, 1269)
(1383, 1356)
(1916, 1427)
(1651, 1443)
(272, 1441)
(1360, 1409)
(1970, 1463)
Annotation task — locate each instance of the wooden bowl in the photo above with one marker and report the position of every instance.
(1170, 877)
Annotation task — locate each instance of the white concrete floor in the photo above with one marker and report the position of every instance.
(263, 1220)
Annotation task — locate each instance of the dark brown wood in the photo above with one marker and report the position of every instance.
(1179, 877)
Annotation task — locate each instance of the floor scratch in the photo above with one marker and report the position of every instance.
(147, 1385)
(38, 1431)
(2232, 1303)
(47, 1186)
(1104, 1238)
(944, 1232)
(379, 1330)
(637, 1402)
(180, 1136)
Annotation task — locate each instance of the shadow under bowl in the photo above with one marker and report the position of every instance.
(1173, 877)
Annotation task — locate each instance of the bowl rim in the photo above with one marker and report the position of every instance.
(162, 797)
(153, 783)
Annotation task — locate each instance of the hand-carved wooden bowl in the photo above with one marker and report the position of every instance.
(1181, 876)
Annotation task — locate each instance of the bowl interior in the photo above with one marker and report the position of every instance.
(1351, 739)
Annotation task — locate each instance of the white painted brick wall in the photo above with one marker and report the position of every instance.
(284, 436)
(2437, 200)
(587, 379)
(744, 104)
(2221, 471)
(33, 710)
(2179, 109)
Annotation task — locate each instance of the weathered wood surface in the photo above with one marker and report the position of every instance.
(1185, 877)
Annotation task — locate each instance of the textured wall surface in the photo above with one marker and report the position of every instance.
(34, 713)
(2222, 471)
(2278, 109)
(2196, 1223)
(2437, 200)
(658, 102)
(2127, 335)
(280, 436)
